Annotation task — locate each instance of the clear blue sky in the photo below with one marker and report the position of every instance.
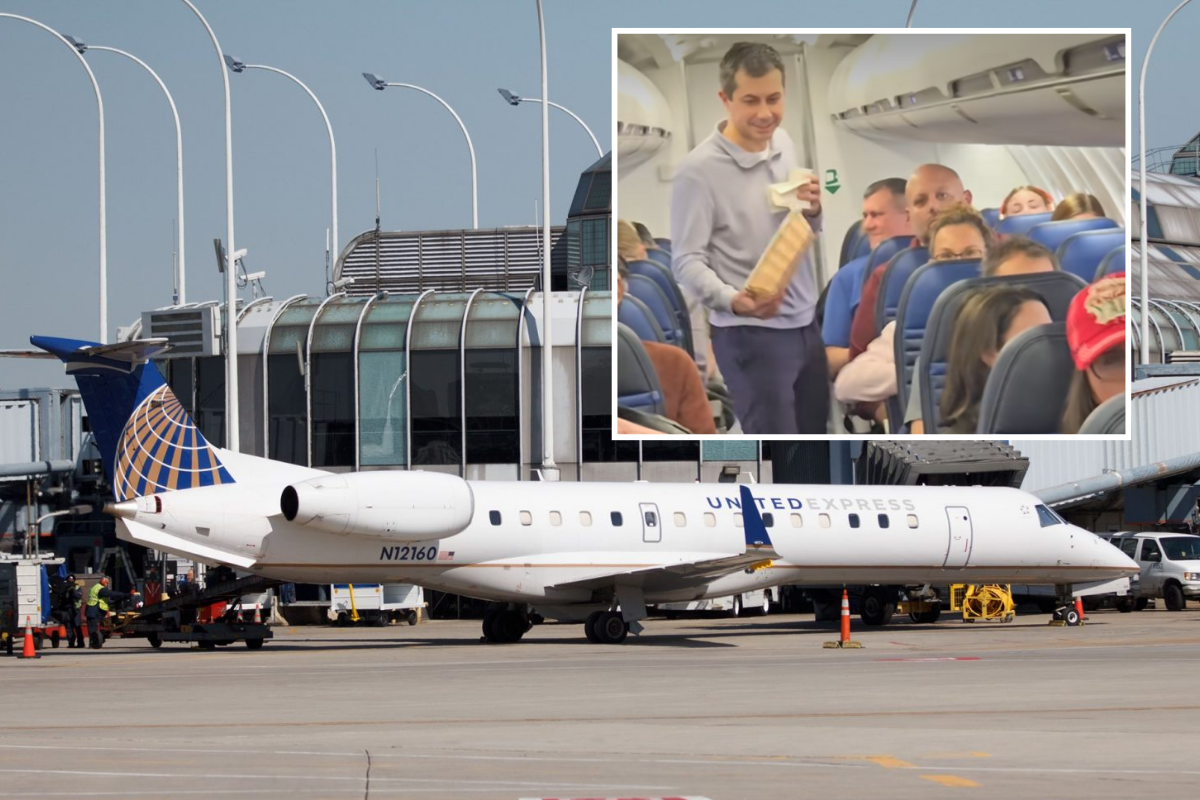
(460, 49)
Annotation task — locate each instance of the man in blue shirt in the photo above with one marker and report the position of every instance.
(768, 349)
(885, 216)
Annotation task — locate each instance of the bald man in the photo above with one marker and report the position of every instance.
(931, 189)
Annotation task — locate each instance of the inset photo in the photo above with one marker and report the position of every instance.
(872, 234)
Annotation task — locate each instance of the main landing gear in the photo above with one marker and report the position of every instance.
(606, 627)
(505, 623)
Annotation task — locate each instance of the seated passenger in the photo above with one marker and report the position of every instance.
(1014, 256)
(629, 244)
(930, 190)
(644, 234)
(985, 322)
(1096, 335)
(1026, 200)
(1078, 206)
(684, 397)
(959, 232)
(884, 217)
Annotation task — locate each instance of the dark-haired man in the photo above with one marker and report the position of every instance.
(769, 349)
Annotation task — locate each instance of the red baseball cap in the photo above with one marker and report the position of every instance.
(1096, 320)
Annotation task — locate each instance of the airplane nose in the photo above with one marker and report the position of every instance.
(1110, 557)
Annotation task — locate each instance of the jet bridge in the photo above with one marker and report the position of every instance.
(918, 463)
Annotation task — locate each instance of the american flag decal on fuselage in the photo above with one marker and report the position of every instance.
(160, 450)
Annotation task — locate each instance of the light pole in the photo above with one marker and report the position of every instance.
(231, 376)
(239, 66)
(380, 84)
(103, 217)
(179, 296)
(1145, 288)
(514, 100)
(549, 469)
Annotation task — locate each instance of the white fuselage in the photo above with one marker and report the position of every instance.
(559, 543)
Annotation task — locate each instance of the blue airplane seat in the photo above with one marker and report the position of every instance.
(991, 216)
(1053, 234)
(1081, 253)
(1021, 225)
(665, 244)
(1108, 418)
(1116, 261)
(1027, 387)
(1056, 288)
(633, 312)
(666, 281)
(898, 271)
(656, 302)
(851, 243)
(637, 382)
(921, 293)
(659, 256)
(883, 253)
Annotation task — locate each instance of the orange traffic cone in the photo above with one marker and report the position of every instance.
(257, 615)
(845, 641)
(29, 651)
(1079, 608)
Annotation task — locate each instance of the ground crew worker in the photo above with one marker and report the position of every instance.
(70, 606)
(98, 603)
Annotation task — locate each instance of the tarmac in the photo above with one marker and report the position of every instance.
(724, 709)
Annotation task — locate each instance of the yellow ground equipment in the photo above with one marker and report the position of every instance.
(987, 602)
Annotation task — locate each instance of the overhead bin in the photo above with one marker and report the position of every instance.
(1056, 89)
(643, 118)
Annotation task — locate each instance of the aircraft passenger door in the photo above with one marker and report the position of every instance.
(651, 522)
(959, 549)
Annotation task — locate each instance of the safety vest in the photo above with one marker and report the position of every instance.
(94, 598)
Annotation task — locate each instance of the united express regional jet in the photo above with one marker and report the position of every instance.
(597, 553)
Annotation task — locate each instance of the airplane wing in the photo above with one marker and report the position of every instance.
(759, 553)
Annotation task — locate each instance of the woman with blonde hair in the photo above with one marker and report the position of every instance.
(629, 245)
(1026, 200)
(985, 322)
(1078, 206)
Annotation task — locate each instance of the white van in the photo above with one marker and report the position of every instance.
(1170, 565)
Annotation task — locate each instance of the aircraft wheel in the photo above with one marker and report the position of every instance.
(611, 628)
(510, 625)
(1071, 617)
(736, 611)
(927, 617)
(589, 627)
(1173, 597)
(765, 609)
(877, 606)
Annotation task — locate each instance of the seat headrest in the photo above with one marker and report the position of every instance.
(1028, 385)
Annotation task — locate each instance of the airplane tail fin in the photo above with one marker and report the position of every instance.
(757, 537)
(147, 441)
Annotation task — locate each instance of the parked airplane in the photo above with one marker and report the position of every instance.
(574, 551)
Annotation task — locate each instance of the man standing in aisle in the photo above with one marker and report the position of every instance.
(769, 349)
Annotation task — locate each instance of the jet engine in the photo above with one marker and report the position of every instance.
(392, 505)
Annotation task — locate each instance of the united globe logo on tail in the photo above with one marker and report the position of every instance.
(160, 450)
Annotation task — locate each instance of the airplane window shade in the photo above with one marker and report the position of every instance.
(912, 520)
(738, 521)
(526, 518)
(616, 519)
(494, 517)
(854, 522)
(824, 520)
(555, 518)
(797, 521)
(1047, 517)
(680, 519)
(710, 519)
(883, 520)
(585, 519)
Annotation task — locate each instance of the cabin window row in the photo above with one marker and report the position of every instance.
(710, 519)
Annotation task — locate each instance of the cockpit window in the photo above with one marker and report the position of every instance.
(1048, 517)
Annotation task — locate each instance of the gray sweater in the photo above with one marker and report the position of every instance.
(722, 221)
